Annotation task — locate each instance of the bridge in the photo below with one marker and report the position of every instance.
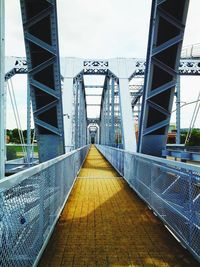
(99, 195)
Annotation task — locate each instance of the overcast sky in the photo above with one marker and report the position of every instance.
(100, 29)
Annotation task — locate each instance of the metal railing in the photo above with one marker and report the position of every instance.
(30, 204)
(170, 188)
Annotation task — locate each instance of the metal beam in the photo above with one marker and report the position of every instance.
(93, 105)
(166, 32)
(178, 111)
(68, 112)
(188, 67)
(94, 86)
(41, 42)
(93, 95)
(126, 115)
(2, 89)
(112, 111)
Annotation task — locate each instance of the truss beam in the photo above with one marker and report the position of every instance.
(164, 48)
(41, 41)
(187, 67)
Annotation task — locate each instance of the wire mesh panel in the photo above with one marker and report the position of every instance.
(171, 189)
(30, 203)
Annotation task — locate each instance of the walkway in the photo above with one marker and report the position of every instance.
(105, 224)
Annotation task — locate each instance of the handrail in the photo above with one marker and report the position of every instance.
(30, 204)
(170, 188)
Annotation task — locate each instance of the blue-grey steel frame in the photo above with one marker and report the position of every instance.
(170, 188)
(80, 113)
(30, 204)
(166, 32)
(41, 41)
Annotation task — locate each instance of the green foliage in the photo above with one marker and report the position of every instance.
(11, 153)
(14, 135)
(194, 140)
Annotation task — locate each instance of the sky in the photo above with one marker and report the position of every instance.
(100, 29)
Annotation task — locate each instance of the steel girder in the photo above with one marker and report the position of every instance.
(41, 41)
(102, 118)
(166, 32)
(95, 67)
(136, 96)
(80, 113)
(2, 90)
(110, 121)
(20, 67)
(187, 67)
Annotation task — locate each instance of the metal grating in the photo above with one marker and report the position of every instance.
(170, 188)
(30, 204)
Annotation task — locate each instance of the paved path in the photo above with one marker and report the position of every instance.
(104, 223)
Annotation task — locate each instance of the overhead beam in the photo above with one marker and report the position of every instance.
(93, 95)
(94, 86)
(187, 67)
(93, 105)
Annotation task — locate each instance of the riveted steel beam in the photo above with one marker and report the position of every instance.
(166, 32)
(41, 41)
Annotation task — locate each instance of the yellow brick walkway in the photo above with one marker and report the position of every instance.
(105, 224)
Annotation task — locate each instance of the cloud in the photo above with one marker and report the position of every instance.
(103, 29)
(14, 39)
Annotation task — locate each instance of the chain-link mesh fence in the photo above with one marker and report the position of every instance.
(171, 189)
(30, 203)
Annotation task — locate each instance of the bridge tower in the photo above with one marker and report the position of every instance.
(166, 32)
(41, 42)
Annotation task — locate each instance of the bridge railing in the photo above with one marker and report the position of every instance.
(170, 188)
(30, 204)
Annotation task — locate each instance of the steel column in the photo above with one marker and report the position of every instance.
(107, 109)
(126, 116)
(109, 112)
(77, 113)
(113, 112)
(166, 32)
(178, 111)
(28, 134)
(80, 115)
(42, 51)
(103, 121)
(68, 112)
(2, 89)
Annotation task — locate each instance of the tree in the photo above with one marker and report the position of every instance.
(13, 135)
(194, 139)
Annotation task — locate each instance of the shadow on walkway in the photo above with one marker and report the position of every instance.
(105, 224)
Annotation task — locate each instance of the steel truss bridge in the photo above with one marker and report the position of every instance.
(31, 201)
